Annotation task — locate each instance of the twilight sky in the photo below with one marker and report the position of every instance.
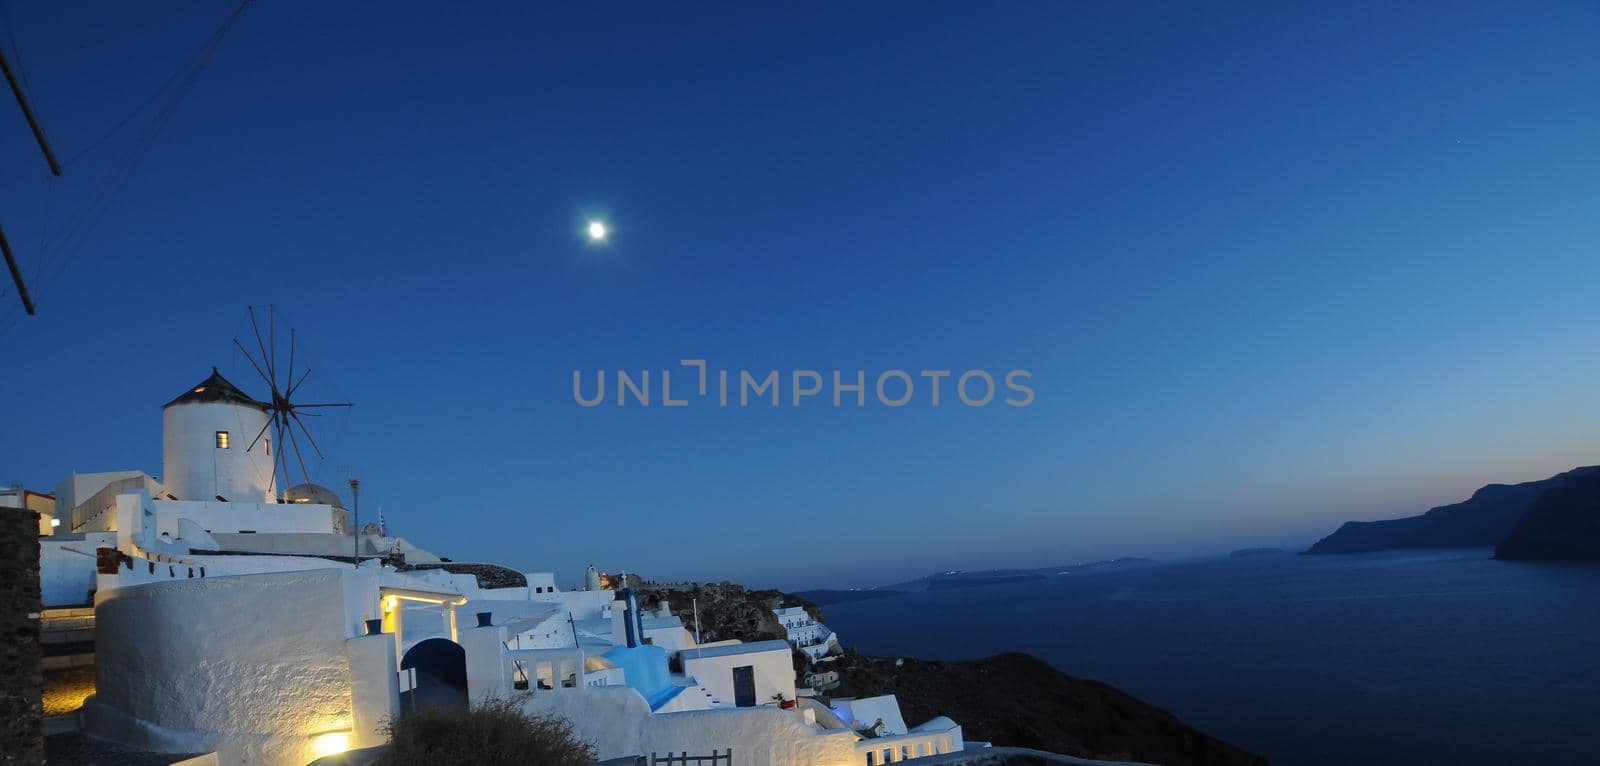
(1270, 268)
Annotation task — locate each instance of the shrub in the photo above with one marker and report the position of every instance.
(492, 733)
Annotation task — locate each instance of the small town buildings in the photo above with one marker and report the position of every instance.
(261, 626)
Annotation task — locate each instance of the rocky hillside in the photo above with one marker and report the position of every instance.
(1479, 521)
(1019, 700)
(1562, 525)
(727, 610)
(1009, 699)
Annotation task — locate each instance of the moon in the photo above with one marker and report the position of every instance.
(597, 231)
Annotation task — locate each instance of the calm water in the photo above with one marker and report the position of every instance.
(1408, 657)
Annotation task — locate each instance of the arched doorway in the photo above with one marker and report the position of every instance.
(439, 668)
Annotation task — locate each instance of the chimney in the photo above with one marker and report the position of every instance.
(625, 608)
(619, 623)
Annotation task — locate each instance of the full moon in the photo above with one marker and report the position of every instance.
(597, 230)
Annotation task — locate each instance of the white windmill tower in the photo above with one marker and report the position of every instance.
(205, 435)
(219, 443)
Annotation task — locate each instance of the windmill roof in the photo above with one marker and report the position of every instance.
(215, 389)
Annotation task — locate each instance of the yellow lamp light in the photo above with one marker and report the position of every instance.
(332, 743)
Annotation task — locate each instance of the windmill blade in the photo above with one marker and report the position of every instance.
(307, 432)
(272, 335)
(297, 456)
(263, 346)
(327, 404)
(290, 377)
(283, 454)
(264, 427)
(296, 386)
(252, 361)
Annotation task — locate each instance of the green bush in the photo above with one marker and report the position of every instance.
(490, 734)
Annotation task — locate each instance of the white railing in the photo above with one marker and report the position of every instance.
(904, 747)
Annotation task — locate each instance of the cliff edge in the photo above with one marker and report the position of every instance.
(1562, 525)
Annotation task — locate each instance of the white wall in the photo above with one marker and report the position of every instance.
(195, 469)
(97, 512)
(774, 673)
(619, 723)
(540, 583)
(235, 516)
(671, 637)
(78, 487)
(865, 711)
(67, 568)
(254, 665)
(583, 604)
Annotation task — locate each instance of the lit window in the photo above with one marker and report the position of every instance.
(222, 440)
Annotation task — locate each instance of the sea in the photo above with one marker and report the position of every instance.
(1404, 657)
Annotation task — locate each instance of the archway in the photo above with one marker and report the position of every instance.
(439, 668)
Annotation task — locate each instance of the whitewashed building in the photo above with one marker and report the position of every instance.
(805, 633)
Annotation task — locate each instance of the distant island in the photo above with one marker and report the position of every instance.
(951, 583)
(1496, 515)
(1246, 553)
(825, 597)
(981, 577)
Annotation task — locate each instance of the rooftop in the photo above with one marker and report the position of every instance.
(729, 650)
(215, 389)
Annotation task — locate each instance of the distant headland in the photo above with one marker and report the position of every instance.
(1548, 519)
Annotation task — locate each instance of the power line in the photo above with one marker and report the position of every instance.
(115, 37)
(56, 255)
(27, 113)
(76, 230)
(17, 89)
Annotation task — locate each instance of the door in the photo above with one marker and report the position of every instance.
(744, 686)
(441, 672)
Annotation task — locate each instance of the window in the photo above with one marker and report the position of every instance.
(222, 440)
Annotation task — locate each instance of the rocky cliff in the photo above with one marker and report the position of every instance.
(727, 610)
(1479, 521)
(1563, 524)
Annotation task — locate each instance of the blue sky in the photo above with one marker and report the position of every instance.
(1270, 268)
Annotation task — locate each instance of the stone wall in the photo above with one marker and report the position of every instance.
(21, 711)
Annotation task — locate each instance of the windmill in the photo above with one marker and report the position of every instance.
(284, 414)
